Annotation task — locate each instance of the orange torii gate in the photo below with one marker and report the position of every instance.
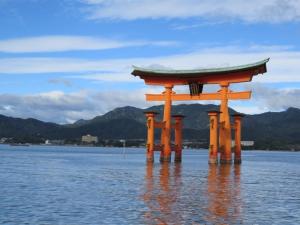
(196, 79)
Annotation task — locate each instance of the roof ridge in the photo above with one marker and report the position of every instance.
(204, 70)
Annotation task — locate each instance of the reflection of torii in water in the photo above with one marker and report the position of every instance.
(169, 201)
(223, 195)
(196, 79)
(161, 196)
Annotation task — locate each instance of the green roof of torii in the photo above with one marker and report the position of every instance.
(261, 66)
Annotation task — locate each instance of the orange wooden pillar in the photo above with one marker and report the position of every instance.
(150, 135)
(225, 126)
(166, 132)
(237, 128)
(213, 137)
(178, 137)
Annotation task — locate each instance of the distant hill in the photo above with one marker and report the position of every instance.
(268, 130)
(15, 127)
(127, 112)
(273, 129)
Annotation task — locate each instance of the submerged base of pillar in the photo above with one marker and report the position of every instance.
(213, 161)
(237, 161)
(150, 160)
(225, 161)
(165, 159)
(177, 159)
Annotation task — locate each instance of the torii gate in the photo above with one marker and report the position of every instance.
(196, 79)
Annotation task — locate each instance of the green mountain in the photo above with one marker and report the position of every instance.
(273, 130)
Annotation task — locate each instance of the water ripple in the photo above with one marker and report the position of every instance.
(41, 185)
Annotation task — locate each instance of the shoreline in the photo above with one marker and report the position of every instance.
(132, 147)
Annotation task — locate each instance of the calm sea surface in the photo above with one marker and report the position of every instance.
(74, 185)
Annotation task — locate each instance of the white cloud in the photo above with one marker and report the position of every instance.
(273, 11)
(69, 43)
(250, 109)
(274, 99)
(283, 66)
(195, 25)
(56, 65)
(107, 77)
(60, 107)
(267, 98)
(62, 81)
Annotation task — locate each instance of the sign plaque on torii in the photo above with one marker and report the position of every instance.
(196, 79)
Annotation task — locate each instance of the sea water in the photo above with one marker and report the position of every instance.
(78, 185)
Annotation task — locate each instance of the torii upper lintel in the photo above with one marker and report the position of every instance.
(235, 74)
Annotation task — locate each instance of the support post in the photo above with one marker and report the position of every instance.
(213, 137)
(225, 127)
(162, 135)
(150, 135)
(166, 133)
(178, 137)
(238, 148)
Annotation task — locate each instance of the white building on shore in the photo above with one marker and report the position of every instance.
(243, 143)
(89, 139)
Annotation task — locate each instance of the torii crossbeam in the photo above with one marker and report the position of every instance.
(196, 79)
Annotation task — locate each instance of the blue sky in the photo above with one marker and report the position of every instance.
(63, 60)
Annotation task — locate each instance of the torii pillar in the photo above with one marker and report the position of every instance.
(150, 135)
(225, 126)
(165, 155)
(178, 137)
(213, 137)
(237, 127)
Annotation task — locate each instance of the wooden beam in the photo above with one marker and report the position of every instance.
(155, 97)
(159, 124)
(205, 96)
(236, 77)
(239, 95)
